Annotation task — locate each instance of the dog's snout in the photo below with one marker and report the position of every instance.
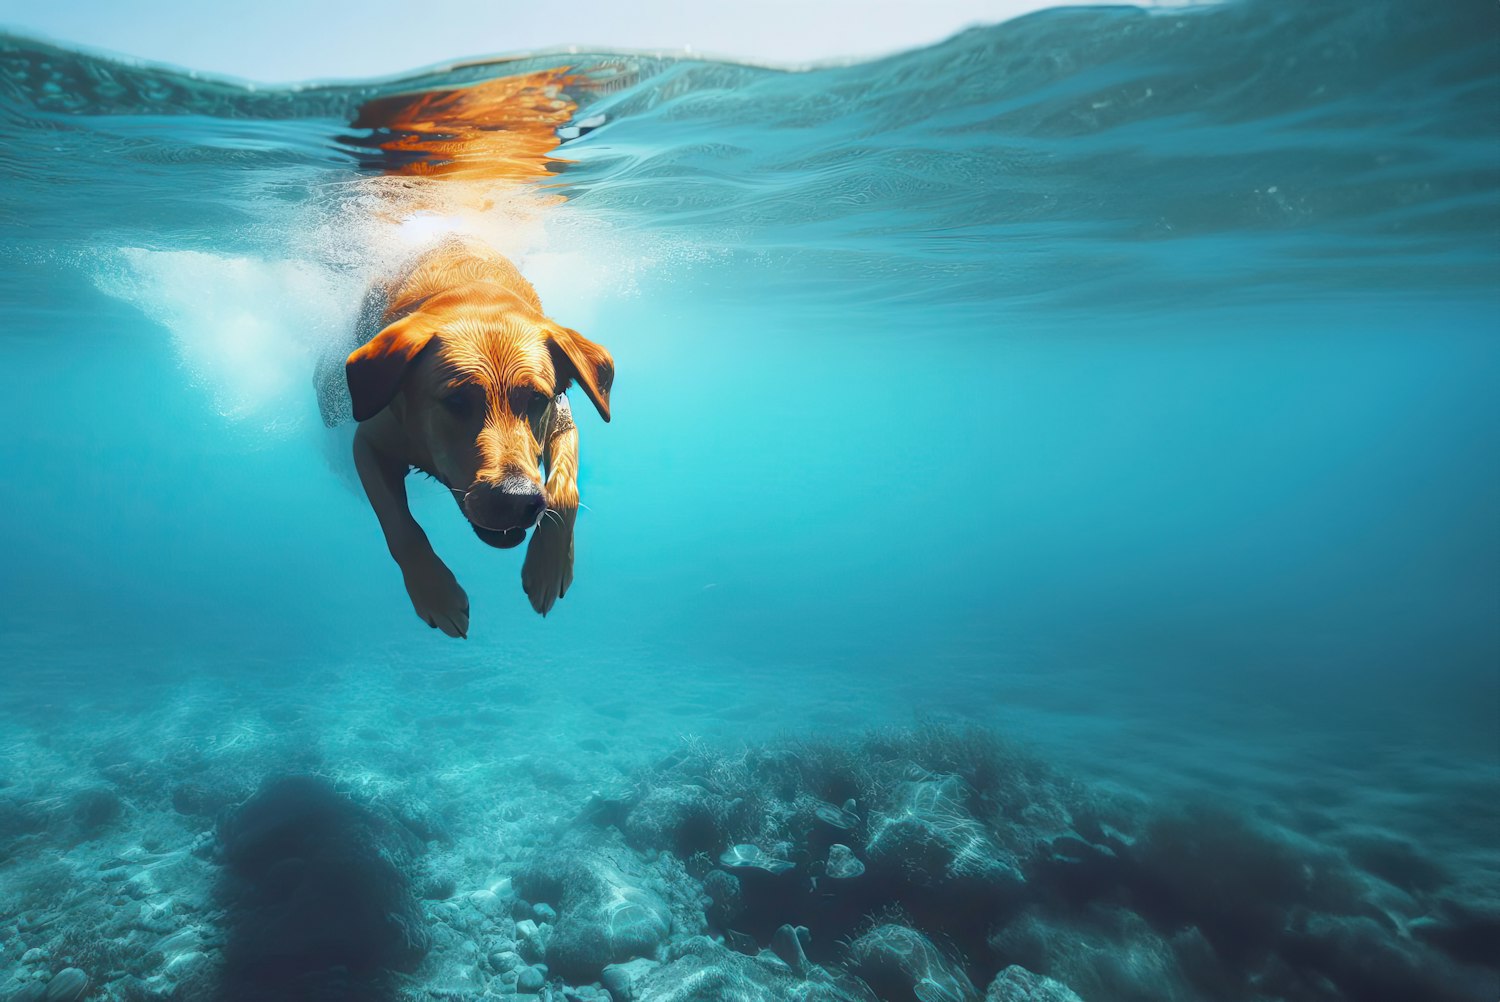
(512, 503)
(532, 507)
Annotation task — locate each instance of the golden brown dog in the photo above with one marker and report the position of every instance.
(466, 379)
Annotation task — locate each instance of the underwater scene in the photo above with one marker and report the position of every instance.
(1016, 519)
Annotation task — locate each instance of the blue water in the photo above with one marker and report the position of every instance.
(1120, 383)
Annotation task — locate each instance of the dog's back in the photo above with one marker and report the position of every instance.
(457, 271)
(461, 272)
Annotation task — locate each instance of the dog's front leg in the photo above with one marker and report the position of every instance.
(548, 569)
(434, 592)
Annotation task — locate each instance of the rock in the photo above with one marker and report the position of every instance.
(531, 979)
(488, 903)
(927, 836)
(181, 941)
(533, 947)
(419, 818)
(725, 897)
(789, 943)
(624, 980)
(439, 887)
(682, 817)
(67, 985)
(532, 940)
(35, 955)
(176, 874)
(753, 857)
(1017, 984)
(34, 992)
(842, 818)
(607, 913)
(544, 913)
(610, 805)
(704, 971)
(183, 964)
(842, 863)
(902, 965)
(315, 883)
(587, 993)
(504, 960)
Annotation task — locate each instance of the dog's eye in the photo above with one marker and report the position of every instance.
(525, 400)
(459, 402)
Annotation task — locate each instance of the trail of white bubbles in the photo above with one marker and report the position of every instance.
(249, 328)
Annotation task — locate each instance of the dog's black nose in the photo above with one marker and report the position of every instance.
(511, 504)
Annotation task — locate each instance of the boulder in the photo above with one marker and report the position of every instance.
(607, 910)
(902, 965)
(314, 883)
(842, 863)
(1017, 984)
(67, 985)
(624, 980)
(926, 834)
(704, 971)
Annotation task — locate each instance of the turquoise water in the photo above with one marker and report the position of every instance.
(1117, 383)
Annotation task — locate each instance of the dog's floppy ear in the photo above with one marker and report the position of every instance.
(576, 357)
(374, 371)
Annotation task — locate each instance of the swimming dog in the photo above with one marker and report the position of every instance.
(466, 378)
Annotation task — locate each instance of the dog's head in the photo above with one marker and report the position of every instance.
(475, 400)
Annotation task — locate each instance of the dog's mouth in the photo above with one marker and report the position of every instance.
(500, 539)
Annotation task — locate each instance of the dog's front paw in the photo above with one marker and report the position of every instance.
(437, 597)
(548, 569)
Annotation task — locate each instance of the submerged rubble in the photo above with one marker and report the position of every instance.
(957, 869)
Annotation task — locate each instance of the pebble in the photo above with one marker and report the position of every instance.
(532, 979)
(178, 942)
(1017, 984)
(504, 960)
(544, 913)
(488, 902)
(183, 962)
(623, 981)
(68, 985)
(842, 863)
(35, 955)
(533, 949)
